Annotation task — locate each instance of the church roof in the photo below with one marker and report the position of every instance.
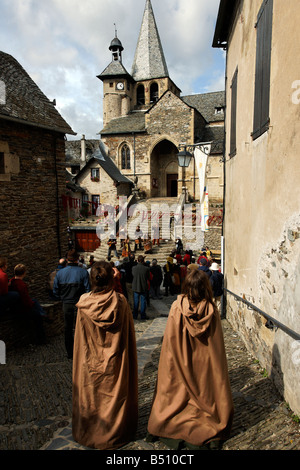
(214, 134)
(149, 60)
(132, 122)
(22, 100)
(207, 104)
(114, 69)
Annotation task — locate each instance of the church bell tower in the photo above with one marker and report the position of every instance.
(117, 85)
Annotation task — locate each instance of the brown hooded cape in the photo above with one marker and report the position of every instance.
(193, 400)
(105, 401)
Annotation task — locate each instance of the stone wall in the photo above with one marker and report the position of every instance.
(33, 224)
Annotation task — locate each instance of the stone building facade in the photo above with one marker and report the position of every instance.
(262, 218)
(100, 172)
(96, 178)
(33, 226)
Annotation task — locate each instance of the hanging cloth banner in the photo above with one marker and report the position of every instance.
(204, 213)
(201, 158)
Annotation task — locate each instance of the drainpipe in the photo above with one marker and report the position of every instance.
(57, 196)
(224, 297)
(133, 134)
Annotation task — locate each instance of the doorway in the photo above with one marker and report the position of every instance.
(95, 203)
(172, 185)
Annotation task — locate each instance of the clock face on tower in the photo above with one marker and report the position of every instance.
(120, 86)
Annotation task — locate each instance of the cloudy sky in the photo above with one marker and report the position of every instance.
(63, 45)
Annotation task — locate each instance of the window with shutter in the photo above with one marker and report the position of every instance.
(233, 114)
(263, 69)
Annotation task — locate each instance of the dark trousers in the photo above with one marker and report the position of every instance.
(137, 296)
(9, 300)
(70, 311)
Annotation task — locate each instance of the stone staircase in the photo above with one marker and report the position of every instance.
(160, 252)
(166, 246)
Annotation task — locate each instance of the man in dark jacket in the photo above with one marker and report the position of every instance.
(156, 281)
(69, 284)
(128, 265)
(216, 281)
(203, 267)
(141, 275)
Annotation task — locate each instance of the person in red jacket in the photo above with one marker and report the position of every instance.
(202, 256)
(30, 306)
(7, 299)
(186, 259)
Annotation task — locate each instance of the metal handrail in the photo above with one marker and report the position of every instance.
(271, 323)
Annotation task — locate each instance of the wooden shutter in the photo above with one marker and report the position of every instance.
(263, 69)
(233, 114)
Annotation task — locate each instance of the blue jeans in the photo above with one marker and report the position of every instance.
(109, 252)
(136, 299)
(38, 308)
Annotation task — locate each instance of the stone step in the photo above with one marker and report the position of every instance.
(160, 253)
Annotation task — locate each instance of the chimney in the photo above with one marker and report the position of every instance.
(83, 152)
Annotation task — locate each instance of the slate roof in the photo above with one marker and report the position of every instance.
(227, 10)
(73, 150)
(135, 121)
(149, 60)
(73, 186)
(214, 134)
(132, 122)
(107, 164)
(114, 69)
(22, 100)
(206, 103)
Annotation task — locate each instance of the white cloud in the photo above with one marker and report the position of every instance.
(63, 45)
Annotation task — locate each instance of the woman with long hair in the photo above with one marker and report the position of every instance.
(192, 405)
(105, 402)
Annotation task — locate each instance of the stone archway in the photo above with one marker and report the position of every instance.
(164, 169)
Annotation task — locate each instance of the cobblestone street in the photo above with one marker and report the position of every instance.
(36, 396)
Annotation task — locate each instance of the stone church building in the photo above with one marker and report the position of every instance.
(145, 120)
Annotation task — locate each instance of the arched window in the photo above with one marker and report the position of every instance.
(125, 157)
(154, 93)
(140, 95)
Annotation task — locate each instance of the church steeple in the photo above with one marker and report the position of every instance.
(149, 61)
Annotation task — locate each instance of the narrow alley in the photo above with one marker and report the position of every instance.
(36, 395)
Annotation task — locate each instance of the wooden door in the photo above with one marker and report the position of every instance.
(172, 185)
(86, 241)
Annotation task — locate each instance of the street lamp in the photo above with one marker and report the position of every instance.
(184, 158)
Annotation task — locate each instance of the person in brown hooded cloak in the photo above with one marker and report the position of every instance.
(192, 404)
(105, 385)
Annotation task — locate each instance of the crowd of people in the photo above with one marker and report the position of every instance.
(192, 404)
